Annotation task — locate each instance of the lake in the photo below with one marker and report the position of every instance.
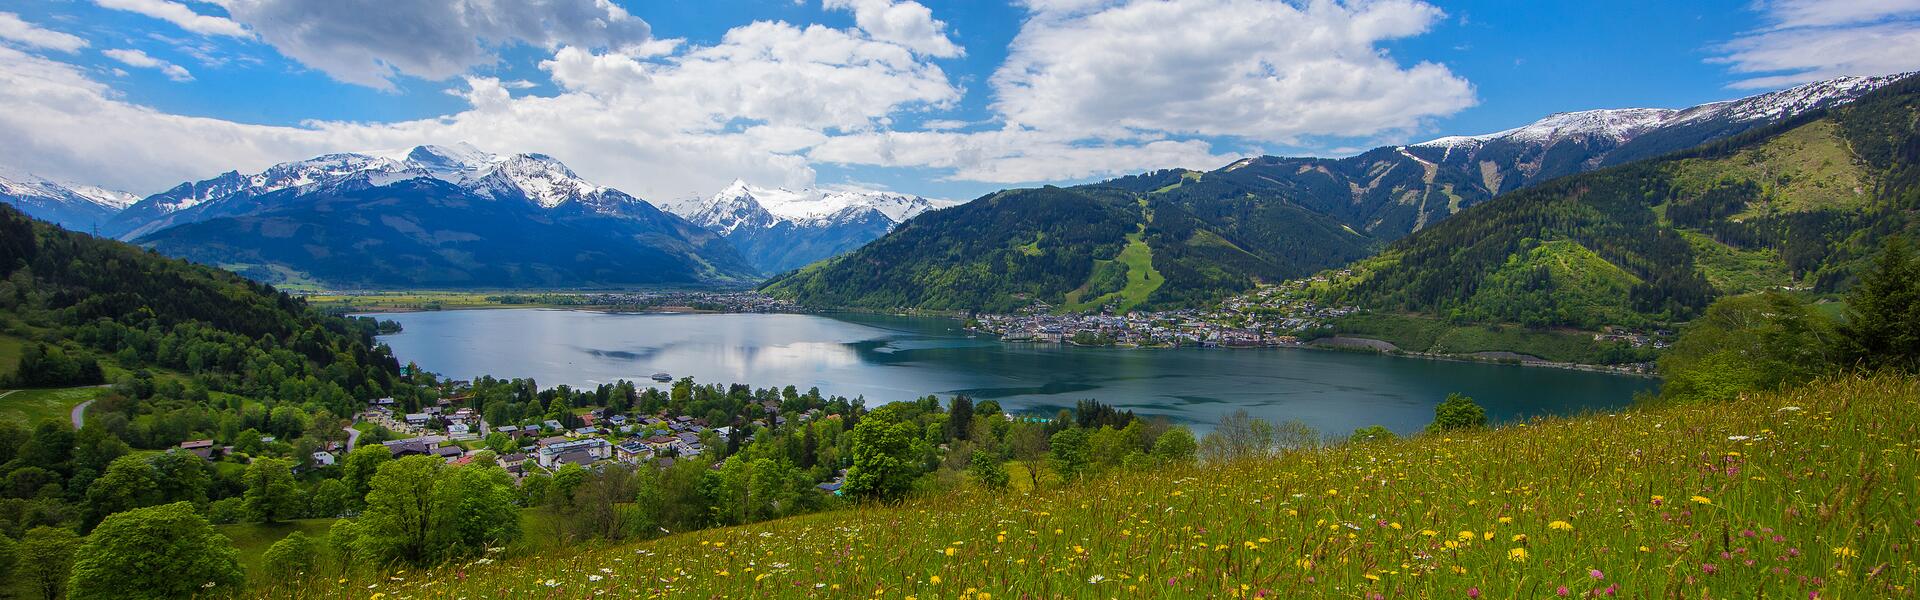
(897, 358)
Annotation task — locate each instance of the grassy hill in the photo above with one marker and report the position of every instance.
(1796, 204)
(1187, 241)
(1803, 493)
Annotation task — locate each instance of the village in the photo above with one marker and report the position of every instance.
(1269, 316)
(458, 434)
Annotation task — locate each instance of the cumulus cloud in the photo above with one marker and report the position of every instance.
(661, 127)
(1811, 40)
(136, 58)
(1256, 69)
(371, 42)
(909, 24)
(1093, 88)
(1013, 155)
(13, 29)
(180, 15)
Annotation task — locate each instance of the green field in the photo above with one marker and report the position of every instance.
(1136, 258)
(30, 407)
(540, 534)
(1801, 494)
(9, 354)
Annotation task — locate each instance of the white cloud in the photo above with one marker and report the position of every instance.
(661, 127)
(1808, 40)
(180, 15)
(908, 24)
(12, 28)
(136, 58)
(1015, 155)
(371, 42)
(1256, 69)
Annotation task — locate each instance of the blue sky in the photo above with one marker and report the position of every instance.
(671, 98)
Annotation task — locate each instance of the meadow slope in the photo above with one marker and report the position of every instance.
(1808, 493)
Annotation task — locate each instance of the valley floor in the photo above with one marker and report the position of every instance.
(1807, 493)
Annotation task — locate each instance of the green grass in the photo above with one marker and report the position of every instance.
(253, 539)
(1806, 493)
(30, 407)
(10, 348)
(1734, 271)
(1142, 279)
(1808, 168)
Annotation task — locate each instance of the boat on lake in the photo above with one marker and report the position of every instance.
(662, 377)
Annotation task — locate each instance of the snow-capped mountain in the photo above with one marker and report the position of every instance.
(440, 216)
(1620, 125)
(534, 178)
(778, 229)
(70, 205)
(1395, 190)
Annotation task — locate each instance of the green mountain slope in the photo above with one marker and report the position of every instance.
(94, 298)
(1767, 496)
(1798, 203)
(1181, 241)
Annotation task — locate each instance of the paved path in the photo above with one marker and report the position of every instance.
(353, 438)
(80, 414)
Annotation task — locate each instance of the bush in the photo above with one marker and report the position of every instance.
(1457, 412)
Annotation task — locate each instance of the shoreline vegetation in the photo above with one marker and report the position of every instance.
(722, 302)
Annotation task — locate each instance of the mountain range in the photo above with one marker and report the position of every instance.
(455, 216)
(1193, 237)
(432, 216)
(74, 206)
(779, 230)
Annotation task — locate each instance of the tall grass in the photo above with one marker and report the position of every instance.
(1809, 493)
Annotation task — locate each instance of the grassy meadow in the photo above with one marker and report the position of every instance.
(30, 407)
(1808, 493)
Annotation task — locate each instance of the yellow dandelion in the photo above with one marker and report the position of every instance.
(934, 580)
(1701, 500)
(1519, 537)
(1844, 552)
(1560, 525)
(1517, 555)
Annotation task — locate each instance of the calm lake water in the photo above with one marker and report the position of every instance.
(894, 358)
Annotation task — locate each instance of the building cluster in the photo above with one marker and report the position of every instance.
(1278, 315)
(455, 433)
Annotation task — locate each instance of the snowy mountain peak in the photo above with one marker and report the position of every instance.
(1622, 124)
(19, 184)
(741, 204)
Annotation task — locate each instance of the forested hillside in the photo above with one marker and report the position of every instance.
(1798, 204)
(1179, 238)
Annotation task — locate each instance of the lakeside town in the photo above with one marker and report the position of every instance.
(1279, 315)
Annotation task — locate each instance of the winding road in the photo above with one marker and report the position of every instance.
(80, 414)
(353, 437)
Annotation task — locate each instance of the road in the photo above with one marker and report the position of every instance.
(80, 414)
(353, 437)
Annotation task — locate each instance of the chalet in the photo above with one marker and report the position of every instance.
(510, 430)
(418, 419)
(448, 452)
(552, 424)
(595, 448)
(457, 429)
(576, 457)
(412, 447)
(513, 460)
(660, 443)
(586, 431)
(589, 419)
(200, 448)
(549, 441)
(617, 420)
(380, 402)
(323, 459)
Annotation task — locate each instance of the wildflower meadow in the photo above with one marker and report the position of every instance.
(1807, 493)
